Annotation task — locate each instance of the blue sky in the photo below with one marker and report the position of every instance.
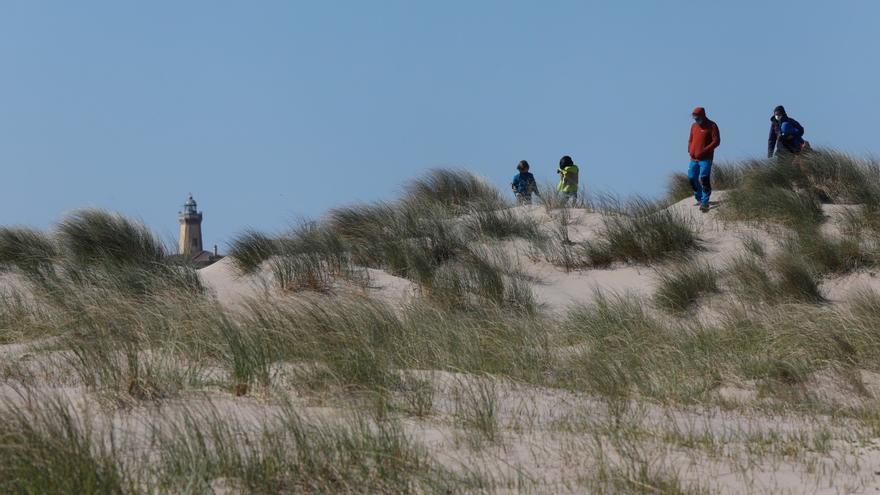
(272, 111)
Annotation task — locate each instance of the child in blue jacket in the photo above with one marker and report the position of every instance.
(791, 140)
(523, 184)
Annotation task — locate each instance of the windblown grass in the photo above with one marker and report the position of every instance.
(678, 187)
(787, 277)
(292, 454)
(430, 237)
(311, 257)
(797, 210)
(558, 249)
(29, 250)
(92, 249)
(842, 178)
(551, 199)
(789, 192)
(97, 236)
(250, 249)
(481, 277)
(456, 189)
(46, 447)
(21, 318)
(360, 342)
(359, 348)
(778, 347)
(643, 232)
(797, 279)
(139, 332)
(829, 255)
(639, 231)
(504, 224)
(476, 406)
(681, 286)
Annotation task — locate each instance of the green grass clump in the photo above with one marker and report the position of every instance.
(503, 224)
(627, 348)
(97, 236)
(790, 191)
(787, 277)
(558, 249)
(476, 406)
(311, 257)
(643, 232)
(360, 342)
(425, 238)
(290, 454)
(250, 249)
(551, 199)
(94, 249)
(454, 189)
(630, 353)
(681, 286)
(354, 339)
(29, 250)
(750, 279)
(21, 318)
(842, 178)
(678, 187)
(798, 210)
(480, 278)
(49, 447)
(46, 447)
(410, 239)
(830, 255)
(797, 279)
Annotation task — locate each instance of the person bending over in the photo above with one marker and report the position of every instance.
(779, 118)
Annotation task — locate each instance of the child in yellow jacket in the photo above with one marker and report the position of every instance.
(568, 179)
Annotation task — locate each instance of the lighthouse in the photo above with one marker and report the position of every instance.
(190, 242)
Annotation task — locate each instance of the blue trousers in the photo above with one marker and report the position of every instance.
(700, 175)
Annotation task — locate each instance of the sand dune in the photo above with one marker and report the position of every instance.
(554, 288)
(546, 437)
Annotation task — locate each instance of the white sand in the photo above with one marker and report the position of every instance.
(553, 287)
(547, 435)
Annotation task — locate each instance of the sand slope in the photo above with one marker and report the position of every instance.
(554, 288)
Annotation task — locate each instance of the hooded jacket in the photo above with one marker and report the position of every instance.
(775, 125)
(704, 137)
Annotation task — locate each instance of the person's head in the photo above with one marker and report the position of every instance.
(523, 166)
(779, 113)
(565, 161)
(699, 115)
(787, 130)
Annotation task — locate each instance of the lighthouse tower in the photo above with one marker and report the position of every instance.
(190, 242)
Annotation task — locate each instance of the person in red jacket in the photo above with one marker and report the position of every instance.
(702, 142)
